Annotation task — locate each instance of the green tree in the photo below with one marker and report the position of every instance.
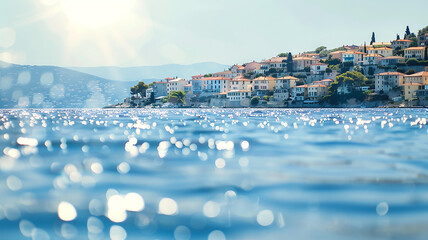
(407, 31)
(139, 89)
(423, 31)
(410, 71)
(266, 98)
(176, 97)
(282, 55)
(208, 75)
(371, 71)
(255, 100)
(412, 62)
(328, 70)
(398, 37)
(320, 49)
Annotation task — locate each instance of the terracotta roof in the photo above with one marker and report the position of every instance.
(373, 55)
(170, 78)
(162, 82)
(419, 74)
(301, 86)
(403, 40)
(393, 57)
(224, 72)
(265, 78)
(304, 58)
(216, 78)
(382, 48)
(188, 85)
(390, 73)
(319, 64)
(318, 85)
(238, 91)
(353, 52)
(288, 78)
(275, 60)
(415, 48)
(327, 80)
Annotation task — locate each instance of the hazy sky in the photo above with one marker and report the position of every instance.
(154, 32)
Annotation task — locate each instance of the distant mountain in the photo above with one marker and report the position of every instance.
(152, 73)
(56, 87)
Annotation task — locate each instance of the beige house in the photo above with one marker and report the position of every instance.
(240, 83)
(317, 92)
(410, 89)
(420, 77)
(264, 83)
(300, 63)
(318, 68)
(224, 74)
(252, 67)
(286, 82)
(300, 93)
(385, 52)
(388, 80)
(415, 52)
(401, 44)
(238, 95)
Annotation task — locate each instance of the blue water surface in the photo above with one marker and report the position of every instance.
(214, 174)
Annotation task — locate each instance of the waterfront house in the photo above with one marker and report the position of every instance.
(385, 52)
(415, 52)
(372, 59)
(391, 61)
(410, 90)
(216, 84)
(176, 85)
(286, 82)
(317, 92)
(420, 77)
(241, 83)
(264, 83)
(385, 82)
(281, 94)
(238, 95)
(300, 93)
(401, 44)
(160, 89)
(188, 88)
(198, 84)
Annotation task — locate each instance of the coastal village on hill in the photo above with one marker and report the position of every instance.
(392, 73)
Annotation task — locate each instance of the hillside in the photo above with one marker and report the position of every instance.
(56, 87)
(152, 73)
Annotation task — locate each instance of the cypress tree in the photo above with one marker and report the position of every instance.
(290, 62)
(407, 31)
(365, 47)
(373, 38)
(398, 37)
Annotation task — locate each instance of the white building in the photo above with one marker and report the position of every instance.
(217, 84)
(372, 59)
(241, 84)
(300, 93)
(238, 95)
(286, 82)
(318, 68)
(176, 85)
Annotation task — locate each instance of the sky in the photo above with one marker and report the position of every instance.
(88, 33)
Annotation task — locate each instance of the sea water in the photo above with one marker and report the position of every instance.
(214, 174)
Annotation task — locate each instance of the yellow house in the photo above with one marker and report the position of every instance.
(317, 92)
(264, 83)
(415, 52)
(410, 90)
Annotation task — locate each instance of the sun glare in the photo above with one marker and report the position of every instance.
(96, 13)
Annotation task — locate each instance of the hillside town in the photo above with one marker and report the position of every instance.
(390, 73)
